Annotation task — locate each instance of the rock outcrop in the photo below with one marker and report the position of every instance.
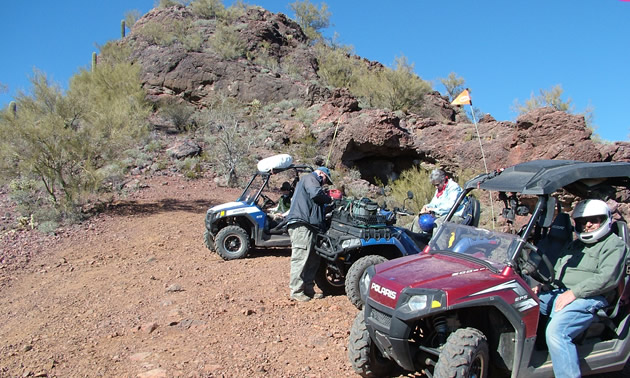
(377, 142)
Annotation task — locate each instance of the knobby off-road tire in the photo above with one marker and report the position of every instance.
(232, 243)
(465, 354)
(208, 241)
(365, 358)
(328, 281)
(355, 274)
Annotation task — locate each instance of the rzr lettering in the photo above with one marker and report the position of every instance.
(383, 291)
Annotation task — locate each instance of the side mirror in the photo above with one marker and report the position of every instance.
(409, 194)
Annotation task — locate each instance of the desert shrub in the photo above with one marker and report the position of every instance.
(306, 115)
(178, 112)
(307, 148)
(64, 140)
(182, 31)
(396, 89)
(153, 145)
(453, 84)
(415, 179)
(227, 42)
(190, 167)
(170, 3)
(229, 139)
(337, 67)
(310, 18)
(207, 9)
(131, 17)
(157, 34)
(551, 98)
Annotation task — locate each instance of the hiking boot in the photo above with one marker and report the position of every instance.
(315, 295)
(300, 297)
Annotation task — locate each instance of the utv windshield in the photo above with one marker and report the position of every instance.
(251, 191)
(494, 248)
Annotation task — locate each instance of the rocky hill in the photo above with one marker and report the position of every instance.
(377, 142)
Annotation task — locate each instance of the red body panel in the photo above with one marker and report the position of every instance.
(460, 279)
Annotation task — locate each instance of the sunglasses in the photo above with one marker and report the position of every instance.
(593, 219)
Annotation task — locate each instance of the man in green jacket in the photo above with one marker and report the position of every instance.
(588, 270)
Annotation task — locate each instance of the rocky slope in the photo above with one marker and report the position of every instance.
(378, 142)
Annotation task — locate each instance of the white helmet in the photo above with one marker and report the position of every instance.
(590, 208)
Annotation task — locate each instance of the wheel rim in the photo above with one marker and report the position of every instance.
(334, 278)
(476, 367)
(232, 244)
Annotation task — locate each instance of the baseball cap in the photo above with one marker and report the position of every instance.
(326, 171)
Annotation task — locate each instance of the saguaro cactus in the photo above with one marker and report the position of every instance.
(13, 108)
(122, 28)
(93, 61)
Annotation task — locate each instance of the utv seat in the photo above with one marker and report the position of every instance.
(559, 235)
(607, 317)
(622, 293)
(472, 212)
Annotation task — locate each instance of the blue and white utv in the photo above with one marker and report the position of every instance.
(235, 228)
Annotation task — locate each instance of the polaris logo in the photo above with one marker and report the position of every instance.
(383, 290)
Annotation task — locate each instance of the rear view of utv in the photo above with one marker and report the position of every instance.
(361, 235)
(235, 228)
(465, 306)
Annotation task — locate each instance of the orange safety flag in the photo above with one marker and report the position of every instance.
(462, 99)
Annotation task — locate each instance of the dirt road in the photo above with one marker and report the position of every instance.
(135, 293)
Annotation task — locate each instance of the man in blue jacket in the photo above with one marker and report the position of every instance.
(306, 217)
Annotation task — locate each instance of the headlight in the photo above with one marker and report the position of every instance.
(418, 302)
(350, 243)
(364, 284)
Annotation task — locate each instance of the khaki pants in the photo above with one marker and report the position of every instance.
(304, 261)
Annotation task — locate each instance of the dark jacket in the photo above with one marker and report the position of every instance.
(309, 202)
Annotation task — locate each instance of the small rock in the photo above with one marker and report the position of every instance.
(149, 327)
(174, 288)
(155, 373)
(139, 356)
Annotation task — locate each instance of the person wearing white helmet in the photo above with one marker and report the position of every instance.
(586, 273)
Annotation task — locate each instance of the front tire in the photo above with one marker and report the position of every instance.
(465, 354)
(365, 358)
(232, 243)
(355, 273)
(329, 281)
(208, 241)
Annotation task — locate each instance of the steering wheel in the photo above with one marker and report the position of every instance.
(267, 202)
(531, 263)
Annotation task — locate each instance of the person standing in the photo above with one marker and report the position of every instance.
(587, 271)
(306, 217)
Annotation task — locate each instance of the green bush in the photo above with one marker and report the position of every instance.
(190, 167)
(381, 87)
(208, 9)
(227, 42)
(181, 31)
(310, 18)
(417, 180)
(395, 89)
(229, 139)
(178, 112)
(65, 140)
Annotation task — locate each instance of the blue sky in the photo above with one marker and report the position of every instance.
(505, 50)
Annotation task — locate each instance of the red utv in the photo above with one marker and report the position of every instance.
(465, 308)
